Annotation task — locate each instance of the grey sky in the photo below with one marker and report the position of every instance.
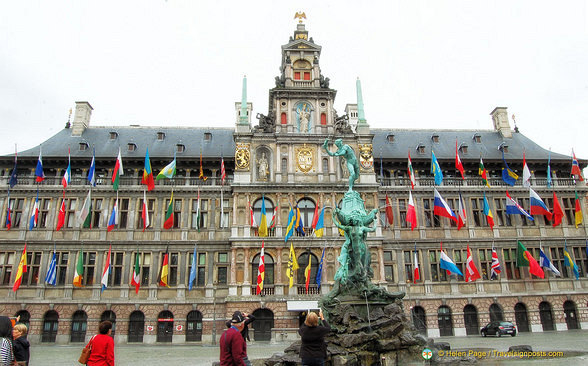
(422, 64)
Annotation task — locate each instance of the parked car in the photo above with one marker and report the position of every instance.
(499, 328)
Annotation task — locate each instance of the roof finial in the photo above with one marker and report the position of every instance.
(68, 124)
(514, 121)
(243, 117)
(300, 15)
(360, 111)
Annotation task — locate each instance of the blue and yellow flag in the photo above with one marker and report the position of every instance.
(320, 224)
(569, 262)
(508, 176)
(299, 222)
(319, 272)
(262, 230)
(436, 169)
(291, 222)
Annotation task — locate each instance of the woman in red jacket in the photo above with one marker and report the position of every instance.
(102, 353)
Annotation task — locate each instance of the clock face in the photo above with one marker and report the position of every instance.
(242, 156)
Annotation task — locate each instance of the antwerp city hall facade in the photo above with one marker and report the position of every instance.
(280, 160)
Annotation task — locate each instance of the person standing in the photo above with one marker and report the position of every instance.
(20, 344)
(6, 353)
(233, 349)
(249, 318)
(313, 350)
(102, 353)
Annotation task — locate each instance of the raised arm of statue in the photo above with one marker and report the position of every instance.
(326, 147)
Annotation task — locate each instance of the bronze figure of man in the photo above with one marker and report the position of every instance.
(348, 154)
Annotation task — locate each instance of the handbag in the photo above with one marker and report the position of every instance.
(86, 353)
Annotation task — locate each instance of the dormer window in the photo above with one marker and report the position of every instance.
(160, 136)
(420, 148)
(113, 135)
(390, 138)
(83, 146)
(463, 148)
(131, 147)
(477, 138)
(207, 136)
(180, 148)
(435, 138)
(505, 148)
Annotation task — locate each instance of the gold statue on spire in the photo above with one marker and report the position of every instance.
(300, 15)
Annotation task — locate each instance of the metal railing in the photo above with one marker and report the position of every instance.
(312, 290)
(267, 290)
(472, 182)
(123, 181)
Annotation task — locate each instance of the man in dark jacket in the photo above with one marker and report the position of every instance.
(233, 349)
(249, 318)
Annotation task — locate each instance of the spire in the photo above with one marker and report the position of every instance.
(360, 112)
(243, 116)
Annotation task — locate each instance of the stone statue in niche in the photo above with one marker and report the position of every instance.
(262, 167)
(303, 111)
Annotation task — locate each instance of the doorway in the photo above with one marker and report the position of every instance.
(521, 317)
(445, 321)
(571, 315)
(263, 324)
(470, 318)
(165, 327)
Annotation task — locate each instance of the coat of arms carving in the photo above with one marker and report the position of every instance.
(366, 158)
(304, 158)
(242, 156)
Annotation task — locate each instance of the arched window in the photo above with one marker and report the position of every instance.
(302, 69)
(269, 214)
(496, 313)
(136, 327)
(445, 321)
(419, 319)
(268, 278)
(50, 322)
(79, 322)
(24, 317)
(194, 326)
(301, 280)
(165, 327)
(111, 317)
(307, 207)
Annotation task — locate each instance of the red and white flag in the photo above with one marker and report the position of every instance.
(416, 275)
(411, 212)
(261, 270)
(145, 213)
(461, 213)
(526, 173)
(411, 172)
(472, 273)
(458, 164)
(251, 216)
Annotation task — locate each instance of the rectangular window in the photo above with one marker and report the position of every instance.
(16, 206)
(70, 212)
(44, 206)
(454, 204)
(409, 266)
(402, 207)
(96, 212)
(173, 260)
(145, 266)
(6, 263)
(123, 213)
(201, 222)
(437, 274)
(223, 261)
(306, 75)
(558, 260)
(485, 256)
(524, 202)
(459, 258)
(296, 75)
(502, 218)
(224, 223)
(177, 213)
(389, 266)
(89, 268)
(201, 276)
(61, 260)
(116, 267)
(581, 258)
(150, 210)
(478, 217)
(31, 276)
(569, 207)
(510, 264)
(431, 220)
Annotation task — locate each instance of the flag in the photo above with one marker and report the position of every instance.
(223, 171)
(568, 262)
(461, 213)
(274, 218)
(8, 215)
(85, 215)
(51, 276)
(411, 172)
(495, 267)
(526, 173)
(92, 170)
(447, 264)
(67, 175)
(488, 213)
(458, 164)
(169, 171)
(576, 167)
(513, 208)
(34, 213)
(292, 265)
(290, 227)
(136, 280)
(299, 223)
(193, 269)
(61, 216)
(106, 271)
(557, 213)
(198, 214)
(416, 272)
(262, 230)
(320, 225)
(307, 272)
(389, 214)
(315, 217)
(546, 263)
(22, 268)
(13, 180)
(483, 173)
(201, 175)
(442, 208)
(113, 217)
(508, 176)
(436, 169)
(549, 182)
(537, 205)
(525, 259)
(148, 173)
(169, 214)
(578, 211)
(39, 169)
(79, 273)
(117, 172)
(260, 270)
(411, 212)
(145, 212)
(319, 272)
(251, 216)
(164, 270)
(472, 273)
